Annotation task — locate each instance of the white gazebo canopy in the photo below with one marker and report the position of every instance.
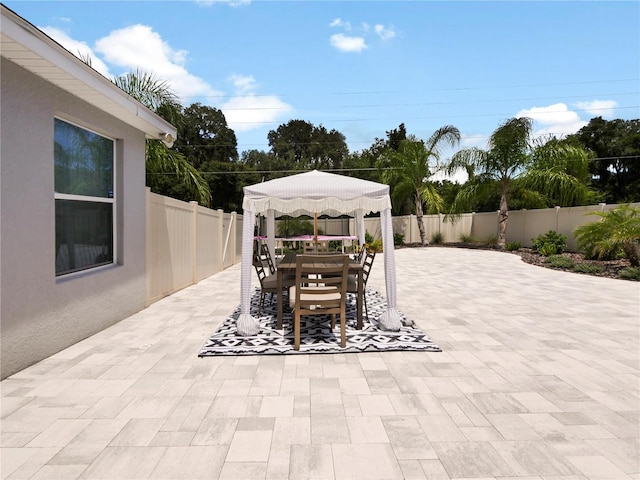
(313, 193)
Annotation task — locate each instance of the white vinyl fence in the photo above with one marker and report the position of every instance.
(523, 225)
(187, 243)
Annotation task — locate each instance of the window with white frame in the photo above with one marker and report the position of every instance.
(84, 198)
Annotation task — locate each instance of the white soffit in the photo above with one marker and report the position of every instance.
(32, 49)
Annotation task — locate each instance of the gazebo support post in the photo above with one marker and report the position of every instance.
(247, 325)
(390, 318)
(271, 232)
(360, 227)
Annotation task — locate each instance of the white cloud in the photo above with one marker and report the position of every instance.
(599, 108)
(554, 119)
(348, 44)
(247, 110)
(358, 43)
(243, 83)
(139, 47)
(338, 22)
(79, 49)
(384, 33)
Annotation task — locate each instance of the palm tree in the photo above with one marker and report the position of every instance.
(494, 168)
(411, 166)
(559, 173)
(161, 160)
(537, 173)
(617, 231)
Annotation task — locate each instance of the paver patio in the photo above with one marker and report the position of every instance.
(538, 380)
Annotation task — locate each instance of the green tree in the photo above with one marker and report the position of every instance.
(516, 168)
(204, 136)
(303, 146)
(559, 173)
(616, 145)
(496, 167)
(161, 160)
(411, 166)
(616, 233)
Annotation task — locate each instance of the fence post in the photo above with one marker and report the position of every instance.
(219, 239)
(194, 241)
(148, 258)
(234, 219)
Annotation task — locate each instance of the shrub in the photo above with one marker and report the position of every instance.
(437, 238)
(368, 238)
(398, 238)
(491, 241)
(616, 234)
(375, 245)
(511, 246)
(467, 239)
(630, 273)
(293, 226)
(550, 243)
(335, 245)
(588, 268)
(558, 261)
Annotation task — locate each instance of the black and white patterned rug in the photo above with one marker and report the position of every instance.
(316, 335)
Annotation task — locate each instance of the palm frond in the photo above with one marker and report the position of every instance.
(162, 160)
(565, 190)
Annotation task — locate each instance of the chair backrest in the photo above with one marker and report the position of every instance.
(323, 246)
(308, 247)
(266, 256)
(359, 257)
(321, 282)
(369, 257)
(260, 272)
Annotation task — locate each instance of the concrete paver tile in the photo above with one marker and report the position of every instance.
(190, 463)
(124, 463)
(365, 461)
(471, 460)
(250, 446)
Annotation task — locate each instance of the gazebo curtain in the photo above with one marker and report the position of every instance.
(307, 194)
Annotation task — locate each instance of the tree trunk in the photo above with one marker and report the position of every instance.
(503, 216)
(423, 233)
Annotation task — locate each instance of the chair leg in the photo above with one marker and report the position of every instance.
(333, 321)
(296, 331)
(366, 310)
(343, 329)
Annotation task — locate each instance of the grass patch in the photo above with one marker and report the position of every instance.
(558, 261)
(588, 268)
(512, 246)
(630, 273)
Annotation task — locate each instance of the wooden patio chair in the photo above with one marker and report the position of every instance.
(320, 288)
(269, 281)
(352, 282)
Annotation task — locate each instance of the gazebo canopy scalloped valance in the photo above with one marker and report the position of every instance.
(317, 192)
(307, 194)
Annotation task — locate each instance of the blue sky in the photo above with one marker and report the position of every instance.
(364, 67)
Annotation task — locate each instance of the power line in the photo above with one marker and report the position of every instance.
(364, 169)
(452, 89)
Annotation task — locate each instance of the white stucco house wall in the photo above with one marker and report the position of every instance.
(72, 197)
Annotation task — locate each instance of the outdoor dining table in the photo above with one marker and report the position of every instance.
(287, 265)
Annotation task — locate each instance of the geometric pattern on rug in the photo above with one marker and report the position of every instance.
(316, 335)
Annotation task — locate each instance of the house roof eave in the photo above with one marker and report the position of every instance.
(26, 45)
